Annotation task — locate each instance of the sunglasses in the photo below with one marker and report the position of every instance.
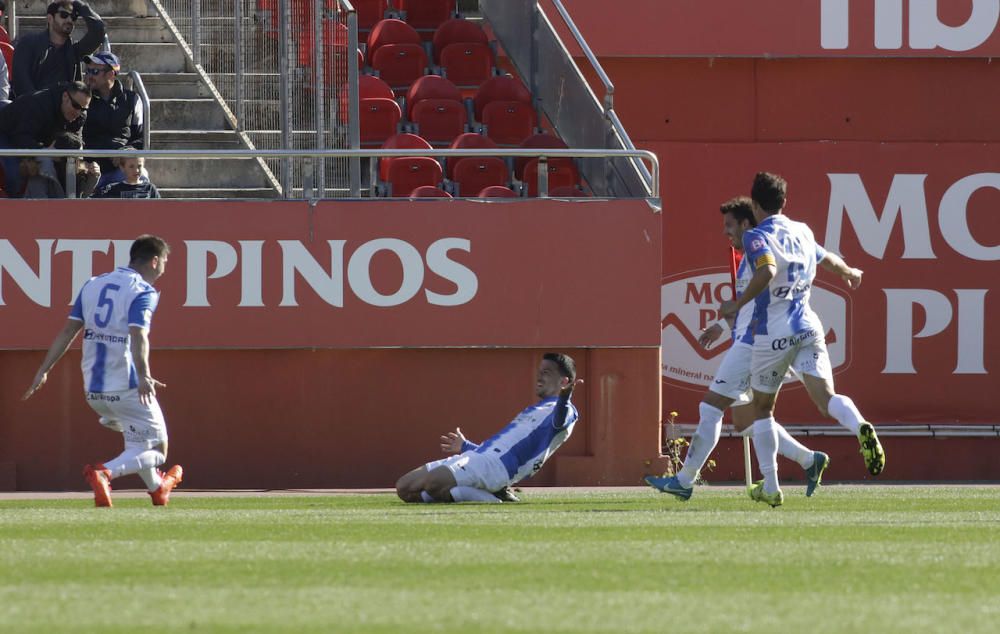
(96, 71)
(66, 15)
(75, 104)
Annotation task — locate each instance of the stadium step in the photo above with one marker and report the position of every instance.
(147, 57)
(149, 29)
(189, 114)
(174, 86)
(223, 173)
(195, 140)
(104, 8)
(217, 193)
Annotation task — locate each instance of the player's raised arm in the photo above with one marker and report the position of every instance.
(59, 346)
(456, 442)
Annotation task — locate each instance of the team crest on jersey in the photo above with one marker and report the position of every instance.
(688, 303)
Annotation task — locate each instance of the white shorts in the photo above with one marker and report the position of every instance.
(140, 424)
(475, 470)
(732, 379)
(805, 353)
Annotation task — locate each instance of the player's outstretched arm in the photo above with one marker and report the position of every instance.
(836, 265)
(709, 335)
(59, 346)
(761, 278)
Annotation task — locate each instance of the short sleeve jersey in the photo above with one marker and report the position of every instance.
(526, 442)
(108, 305)
(783, 308)
(743, 326)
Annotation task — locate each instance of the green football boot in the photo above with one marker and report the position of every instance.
(814, 474)
(757, 494)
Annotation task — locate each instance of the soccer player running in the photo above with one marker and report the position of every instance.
(783, 255)
(484, 473)
(114, 311)
(731, 385)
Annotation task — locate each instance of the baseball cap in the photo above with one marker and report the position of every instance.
(104, 58)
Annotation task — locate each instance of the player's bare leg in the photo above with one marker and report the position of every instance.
(437, 484)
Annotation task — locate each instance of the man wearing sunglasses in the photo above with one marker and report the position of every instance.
(114, 121)
(51, 57)
(35, 121)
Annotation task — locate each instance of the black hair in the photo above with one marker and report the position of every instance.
(740, 208)
(79, 88)
(768, 192)
(567, 367)
(59, 4)
(146, 247)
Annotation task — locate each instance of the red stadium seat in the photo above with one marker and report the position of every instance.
(468, 141)
(509, 122)
(399, 65)
(8, 55)
(427, 15)
(379, 119)
(429, 191)
(390, 31)
(439, 120)
(403, 141)
(4, 36)
(562, 173)
(468, 64)
(497, 191)
(370, 13)
(409, 173)
(473, 175)
(369, 87)
(543, 140)
(503, 88)
(430, 87)
(456, 31)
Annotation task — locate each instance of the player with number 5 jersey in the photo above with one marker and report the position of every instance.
(115, 313)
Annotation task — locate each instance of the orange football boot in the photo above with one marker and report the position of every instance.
(161, 496)
(99, 480)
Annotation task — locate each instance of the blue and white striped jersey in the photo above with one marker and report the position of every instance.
(526, 442)
(743, 326)
(783, 309)
(108, 305)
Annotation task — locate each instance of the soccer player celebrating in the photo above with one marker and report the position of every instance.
(115, 310)
(731, 385)
(484, 473)
(783, 255)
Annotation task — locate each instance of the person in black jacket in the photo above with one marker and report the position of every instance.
(34, 121)
(50, 57)
(114, 121)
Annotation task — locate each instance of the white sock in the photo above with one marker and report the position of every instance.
(134, 460)
(704, 440)
(426, 497)
(793, 449)
(151, 477)
(472, 494)
(765, 445)
(843, 409)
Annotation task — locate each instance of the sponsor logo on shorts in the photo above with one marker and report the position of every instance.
(97, 396)
(787, 343)
(688, 303)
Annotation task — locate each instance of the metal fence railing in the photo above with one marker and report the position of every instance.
(310, 158)
(284, 71)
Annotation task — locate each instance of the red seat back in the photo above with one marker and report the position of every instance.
(503, 88)
(370, 12)
(542, 140)
(430, 87)
(509, 122)
(456, 31)
(427, 15)
(439, 120)
(399, 65)
(468, 64)
(369, 87)
(404, 141)
(562, 173)
(409, 173)
(467, 141)
(378, 120)
(429, 191)
(497, 191)
(473, 175)
(390, 31)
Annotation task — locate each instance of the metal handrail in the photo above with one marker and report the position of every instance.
(12, 21)
(147, 111)
(541, 153)
(609, 88)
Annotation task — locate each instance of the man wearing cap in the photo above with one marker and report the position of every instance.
(35, 121)
(50, 57)
(115, 119)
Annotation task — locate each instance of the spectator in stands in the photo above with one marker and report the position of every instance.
(87, 172)
(51, 57)
(484, 472)
(34, 121)
(132, 186)
(114, 120)
(37, 182)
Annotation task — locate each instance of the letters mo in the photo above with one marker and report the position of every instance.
(925, 29)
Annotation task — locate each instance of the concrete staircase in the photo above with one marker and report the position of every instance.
(184, 114)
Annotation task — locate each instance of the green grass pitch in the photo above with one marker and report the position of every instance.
(852, 559)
